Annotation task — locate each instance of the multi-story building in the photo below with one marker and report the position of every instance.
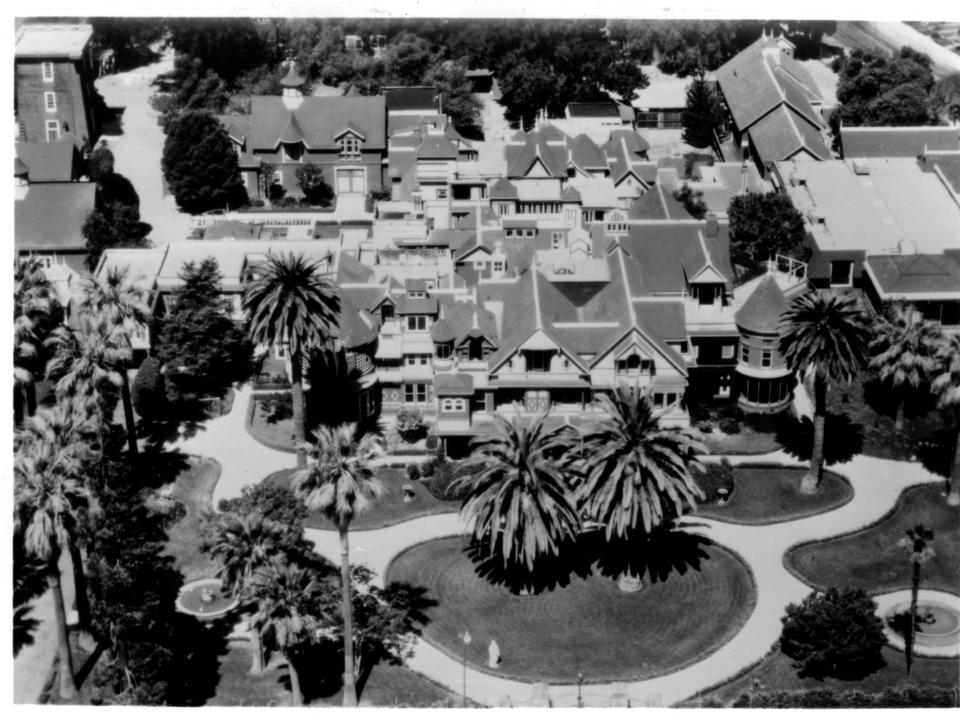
(54, 96)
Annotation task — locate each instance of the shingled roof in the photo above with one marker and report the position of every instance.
(865, 142)
(465, 320)
(761, 312)
(48, 161)
(51, 215)
(915, 275)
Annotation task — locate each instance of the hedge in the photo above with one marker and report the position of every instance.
(910, 697)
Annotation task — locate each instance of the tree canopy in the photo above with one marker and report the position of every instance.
(762, 225)
(880, 88)
(703, 116)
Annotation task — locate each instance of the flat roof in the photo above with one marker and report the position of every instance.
(882, 206)
(52, 40)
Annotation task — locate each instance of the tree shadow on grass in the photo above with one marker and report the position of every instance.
(156, 434)
(936, 450)
(843, 438)
(201, 645)
(573, 558)
(656, 555)
(157, 467)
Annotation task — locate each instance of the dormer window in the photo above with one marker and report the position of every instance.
(349, 147)
(292, 152)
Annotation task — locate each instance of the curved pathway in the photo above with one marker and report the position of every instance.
(877, 485)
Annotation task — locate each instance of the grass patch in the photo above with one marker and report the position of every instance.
(275, 435)
(585, 623)
(390, 510)
(776, 673)
(194, 489)
(746, 442)
(767, 495)
(870, 558)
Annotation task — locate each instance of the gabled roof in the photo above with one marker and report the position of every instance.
(865, 142)
(761, 312)
(585, 154)
(48, 161)
(521, 158)
(465, 320)
(291, 132)
(292, 79)
(503, 189)
(906, 275)
(668, 254)
(356, 327)
(365, 297)
(437, 147)
(658, 203)
(782, 133)
(407, 305)
(51, 215)
(351, 270)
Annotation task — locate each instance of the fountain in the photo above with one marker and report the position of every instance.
(205, 599)
(937, 629)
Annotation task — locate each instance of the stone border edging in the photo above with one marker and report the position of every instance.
(181, 608)
(887, 602)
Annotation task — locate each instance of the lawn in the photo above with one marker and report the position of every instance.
(389, 510)
(767, 495)
(194, 489)
(277, 435)
(776, 673)
(585, 624)
(870, 558)
(387, 686)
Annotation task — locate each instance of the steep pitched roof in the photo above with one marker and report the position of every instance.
(464, 320)
(48, 161)
(782, 133)
(503, 189)
(667, 254)
(761, 312)
(520, 158)
(585, 154)
(292, 79)
(437, 147)
(351, 270)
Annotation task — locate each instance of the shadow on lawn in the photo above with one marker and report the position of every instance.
(843, 438)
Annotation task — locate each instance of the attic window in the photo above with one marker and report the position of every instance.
(47, 70)
(349, 147)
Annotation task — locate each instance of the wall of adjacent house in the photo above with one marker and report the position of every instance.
(328, 162)
(74, 90)
(604, 372)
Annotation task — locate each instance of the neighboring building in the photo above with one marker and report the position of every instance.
(904, 142)
(481, 80)
(50, 162)
(344, 136)
(660, 105)
(774, 103)
(595, 119)
(719, 183)
(409, 106)
(53, 84)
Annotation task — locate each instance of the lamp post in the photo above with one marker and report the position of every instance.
(466, 642)
(579, 688)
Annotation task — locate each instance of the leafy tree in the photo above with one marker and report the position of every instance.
(946, 385)
(229, 47)
(148, 392)
(917, 544)
(703, 116)
(101, 163)
(313, 184)
(519, 499)
(273, 502)
(121, 305)
(635, 472)
(880, 88)
(341, 485)
(292, 302)
(286, 598)
(692, 201)
(407, 60)
(36, 311)
(456, 95)
(904, 347)
(826, 336)
(129, 38)
(762, 226)
(331, 399)
(945, 97)
(47, 498)
(527, 88)
(200, 164)
(115, 225)
(836, 633)
(199, 335)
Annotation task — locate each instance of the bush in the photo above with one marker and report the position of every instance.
(714, 478)
(910, 697)
(433, 442)
(276, 406)
(148, 393)
(413, 472)
(411, 425)
(443, 478)
(428, 468)
(835, 633)
(730, 426)
(706, 428)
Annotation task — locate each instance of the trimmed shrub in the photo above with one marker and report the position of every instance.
(440, 485)
(729, 426)
(413, 472)
(835, 633)
(411, 425)
(433, 442)
(428, 468)
(705, 428)
(910, 697)
(148, 393)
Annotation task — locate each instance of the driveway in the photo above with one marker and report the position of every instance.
(139, 149)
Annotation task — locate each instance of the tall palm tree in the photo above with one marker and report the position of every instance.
(946, 384)
(122, 305)
(286, 600)
(904, 347)
(35, 308)
(47, 497)
(917, 546)
(294, 302)
(244, 545)
(520, 500)
(342, 485)
(827, 336)
(635, 471)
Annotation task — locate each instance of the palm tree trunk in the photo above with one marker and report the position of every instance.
(31, 390)
(17, 405)
(256, 650)
(911, 628)
(80, 587)
(68, 686)
(296, 699)
(296, 390)
(128, 412)
(811, 481)
(898, 422)
(953, 491)
(349, 680)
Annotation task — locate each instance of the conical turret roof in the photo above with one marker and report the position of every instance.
(762, 310)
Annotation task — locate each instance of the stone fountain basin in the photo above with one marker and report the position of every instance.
(204, 599)
(943, 631)
(941, 639)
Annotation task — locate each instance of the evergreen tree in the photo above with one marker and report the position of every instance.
(762, 226)
(115, 225)
(703, 115)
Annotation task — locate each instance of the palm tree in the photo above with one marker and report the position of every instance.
(121, 305)
(826, 335)
(905, 345)
(342, 485)
(286, 598)
(946, 384)
(244, 546)
(520, 501)
(635, 471)
(292, 302)
(35, 307)
(47, 498)
(917, 545)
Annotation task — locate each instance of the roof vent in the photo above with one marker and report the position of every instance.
(860, 168)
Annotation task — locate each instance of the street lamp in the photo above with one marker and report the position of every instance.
(579, 687)
(466, 642)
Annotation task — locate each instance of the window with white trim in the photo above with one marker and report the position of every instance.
(443, 351)
(278, 177)
(415, 392)
(766, 358)
(726, 352)
(498, 266)
(744, 353)
(416, 322)
(453, 405)
(417, 359)
(47, 70)
(350, 147)
(441, 193)
(53, 130)
(556, 240)
(50, 101)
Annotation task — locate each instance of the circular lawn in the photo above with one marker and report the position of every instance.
(586, 626)
(764, 495)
